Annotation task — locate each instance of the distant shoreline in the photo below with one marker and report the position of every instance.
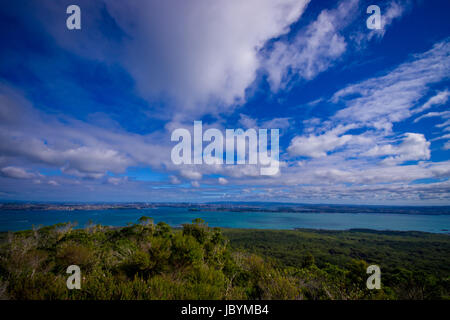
(235, 207)
(309, 230)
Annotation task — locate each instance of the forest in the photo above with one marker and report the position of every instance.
(145, 260)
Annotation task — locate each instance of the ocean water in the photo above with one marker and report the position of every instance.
(25, 219)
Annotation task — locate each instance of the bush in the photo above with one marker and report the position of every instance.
(143, 261)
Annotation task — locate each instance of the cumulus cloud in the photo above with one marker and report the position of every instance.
(16, 173)
(413, 147)
(191, 174)
(222, 181)
(214, 59)
(76, 148)
(318, 145)
(198, 55)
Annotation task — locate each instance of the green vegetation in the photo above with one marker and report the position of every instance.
(148, 261)
(414, 265)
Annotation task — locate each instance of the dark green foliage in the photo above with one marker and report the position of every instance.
(414, 265)
(147, 261)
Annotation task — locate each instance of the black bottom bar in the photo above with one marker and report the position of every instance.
(223, 309)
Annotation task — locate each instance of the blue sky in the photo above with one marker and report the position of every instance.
(86, 115)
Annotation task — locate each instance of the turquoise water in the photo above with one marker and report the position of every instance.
(21, 220)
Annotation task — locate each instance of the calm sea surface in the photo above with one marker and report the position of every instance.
(21, 220)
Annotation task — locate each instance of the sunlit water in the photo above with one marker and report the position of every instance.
(25, 219)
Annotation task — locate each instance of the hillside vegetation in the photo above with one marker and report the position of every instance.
(148, 261)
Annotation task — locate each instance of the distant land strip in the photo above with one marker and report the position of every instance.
(233, 206)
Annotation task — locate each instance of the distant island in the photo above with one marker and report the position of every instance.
(233, 206)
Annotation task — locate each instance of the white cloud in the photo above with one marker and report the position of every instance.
(195, 184)
(75, 147)
(438, 99)
(116, 180)
(391, 97)
(445, 136)
(222, 181)
(207, 52)
(447, 145)
(440, 169)
(276, 123)
(16, 173)
(174, 180)
(313, 50)
(444, 124)
(198, 55)
(246, 122)
(53, 183)
(190, 174)
(413, 147)
(318, 145)
(443, 114)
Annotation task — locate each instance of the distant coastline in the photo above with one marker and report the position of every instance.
(234, 207)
